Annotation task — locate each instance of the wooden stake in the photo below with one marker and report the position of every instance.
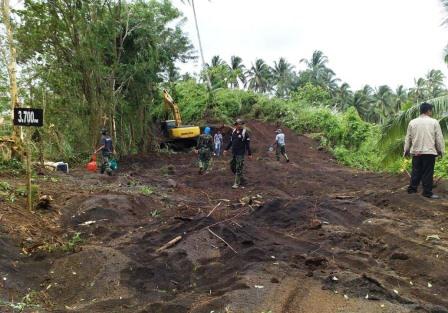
(214, 209)
(169, 244)
(28, 172)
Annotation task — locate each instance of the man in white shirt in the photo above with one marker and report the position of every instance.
(280, 145)
(424, 141)
(218, 140)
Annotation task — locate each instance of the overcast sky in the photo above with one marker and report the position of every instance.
(367, 41)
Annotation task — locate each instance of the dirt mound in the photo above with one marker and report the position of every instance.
(92, 275)
(300, 213)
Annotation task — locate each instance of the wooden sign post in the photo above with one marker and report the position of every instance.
(35, 118)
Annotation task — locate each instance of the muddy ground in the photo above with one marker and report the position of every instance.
(304, 237)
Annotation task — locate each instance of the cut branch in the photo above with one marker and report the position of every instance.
(208, 228)
(169, 244)
(214, 209)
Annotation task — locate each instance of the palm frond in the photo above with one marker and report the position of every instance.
(440, 106)
(445, 5)
(445, 55)
(396, 126)
(394, 129)
(392, 151)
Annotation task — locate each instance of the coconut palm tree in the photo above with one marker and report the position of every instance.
(344, 97)
(419, 92)
(445, 55)
(283, 77)
(445, 4)
(362, 101)
(259, 77)
(382, 104)
(434, 81)
(328, 81)
(400, 97)
(237, 70)
(317, 62)
(216, 61)
(219, 72)
(317, 67)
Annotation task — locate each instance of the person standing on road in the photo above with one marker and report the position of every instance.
(204, 149)
(218, 140)
(424, 142)
(107, 149)
(240, 144)
(280, 145)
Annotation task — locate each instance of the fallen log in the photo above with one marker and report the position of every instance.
(169, 244)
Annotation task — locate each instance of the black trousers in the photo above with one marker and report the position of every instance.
(422, 170)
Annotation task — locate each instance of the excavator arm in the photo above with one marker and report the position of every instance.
(169, 103)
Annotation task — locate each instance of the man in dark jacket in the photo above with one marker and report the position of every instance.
(107, 148)
(240, 143)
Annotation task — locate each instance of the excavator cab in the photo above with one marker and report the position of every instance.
(171, 131)
(166, 126)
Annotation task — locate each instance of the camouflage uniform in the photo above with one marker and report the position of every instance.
(106, 152)
(205, 150)
(237, 166)
(240, 144)
(105, 163)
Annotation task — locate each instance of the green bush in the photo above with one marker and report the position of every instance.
(441, 167)
(313, 95)
(351, 140)
(192, 99)
(270, 109)
(13, 165)
(229, 103)
(355, 130)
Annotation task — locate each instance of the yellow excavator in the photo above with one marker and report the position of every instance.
(175, 134)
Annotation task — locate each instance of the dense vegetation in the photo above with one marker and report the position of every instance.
(104, 63)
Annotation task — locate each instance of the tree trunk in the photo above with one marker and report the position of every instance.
(12, 67)
(209, 84)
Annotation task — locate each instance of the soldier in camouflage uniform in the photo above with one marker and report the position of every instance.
(240, 143)
(107, 149)
(204, 149)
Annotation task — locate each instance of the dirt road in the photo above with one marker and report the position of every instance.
(304, 237)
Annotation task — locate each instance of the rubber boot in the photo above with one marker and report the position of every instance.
(237, 182)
